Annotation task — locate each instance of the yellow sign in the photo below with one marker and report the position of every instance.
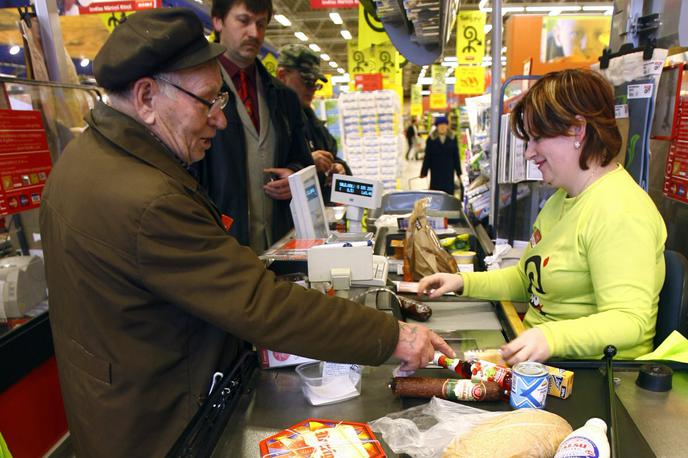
(416, 100)
(112, 20)
(470, 37)
(470, 80)
(383, 59)
(270, 63)
(326, 91)
(370, 31)
(438, 88)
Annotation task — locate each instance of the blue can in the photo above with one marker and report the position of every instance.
(529, 385)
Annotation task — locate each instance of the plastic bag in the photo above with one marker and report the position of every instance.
(423, 254)
(425, 431)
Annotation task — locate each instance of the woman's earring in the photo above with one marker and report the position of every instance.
(576, 144)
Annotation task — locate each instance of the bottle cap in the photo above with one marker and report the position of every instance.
(598, 423)
(654, 377)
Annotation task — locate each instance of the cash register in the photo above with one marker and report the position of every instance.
(345, 259)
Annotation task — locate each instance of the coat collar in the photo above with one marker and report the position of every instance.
(434, 135)
(134, 138)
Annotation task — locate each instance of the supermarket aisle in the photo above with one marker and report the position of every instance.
(408, 178)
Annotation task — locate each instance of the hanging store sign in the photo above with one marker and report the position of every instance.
(269, 61)
(318, 4)
(470, 37)
(74, 8)
(370, 31)
(383, 59)
(470, 80)
(326, 91)
(24, 160)
(438, 89)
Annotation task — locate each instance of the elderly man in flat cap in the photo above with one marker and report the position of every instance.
(298, 67)
(149, 295)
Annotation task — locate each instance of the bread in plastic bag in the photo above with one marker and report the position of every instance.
(524, 433)
(425, 431)
(423, 254)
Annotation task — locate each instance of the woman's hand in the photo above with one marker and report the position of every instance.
(530, 346)
(437, 284)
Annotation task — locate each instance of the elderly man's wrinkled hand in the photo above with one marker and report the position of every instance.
(530, 346)
(417, 345)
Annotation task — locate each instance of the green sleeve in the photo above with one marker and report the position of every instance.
(506, 284)
(626, 267)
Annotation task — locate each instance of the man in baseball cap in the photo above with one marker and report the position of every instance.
(149, 295)
(298, 67)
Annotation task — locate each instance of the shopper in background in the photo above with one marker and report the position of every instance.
(149, 295)
(412, 138)
(299, 69)
(442, 158)
(594, 267)
(246, 170)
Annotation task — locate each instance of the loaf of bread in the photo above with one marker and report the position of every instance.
(524, 433)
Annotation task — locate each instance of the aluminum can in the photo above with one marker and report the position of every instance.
(529, 385)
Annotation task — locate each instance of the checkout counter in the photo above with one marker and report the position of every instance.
(252, 404)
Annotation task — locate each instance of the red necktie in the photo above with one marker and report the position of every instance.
(246, 98)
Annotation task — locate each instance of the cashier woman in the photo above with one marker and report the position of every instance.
(149, 295)
(594, 266)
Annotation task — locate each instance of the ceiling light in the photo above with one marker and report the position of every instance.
(507, 9)
(301, 36)
(346, 34)
(314, 47)
(604, 9)
(336, 18)
(538, 9)
(14, 50)
(333, 64)
(450, 59)
(84, 63)
(282, 19)
(341, 70)
(325, 57)
(487, 28)
(564, 9)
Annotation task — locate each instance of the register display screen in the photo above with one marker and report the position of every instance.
(355, 188)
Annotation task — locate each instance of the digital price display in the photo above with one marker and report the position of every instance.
(355, 188)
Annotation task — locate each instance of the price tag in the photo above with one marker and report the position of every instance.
(621, 111)
(640, 91)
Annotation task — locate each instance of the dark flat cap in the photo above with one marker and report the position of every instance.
(150, 42)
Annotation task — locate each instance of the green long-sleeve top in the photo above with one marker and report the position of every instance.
(592, 271)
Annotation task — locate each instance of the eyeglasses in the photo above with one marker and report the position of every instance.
(214, 106)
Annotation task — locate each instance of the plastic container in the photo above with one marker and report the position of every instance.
(590, 440)
(328, 383)
(464, 257)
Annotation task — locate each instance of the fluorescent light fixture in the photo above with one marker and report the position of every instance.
(425, 92)
(450, 59)
(449, 64)
(301, 36)
(487, 28)
(84, 63)
(282, 19)
(564, 9)
(346, 34)
(507, 10)
(341, 71)
(325, 57)
(14, 50)
(333, 64)
(336, 18)
(314, 47)
(603, 9)
(538, 9)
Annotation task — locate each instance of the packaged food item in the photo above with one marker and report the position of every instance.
(560, 382)
(269, 359)
(411, 308)
(529, 385)
(590, 440)
(323, 438)
(447, 388)
(527, 432)
(476, 370)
